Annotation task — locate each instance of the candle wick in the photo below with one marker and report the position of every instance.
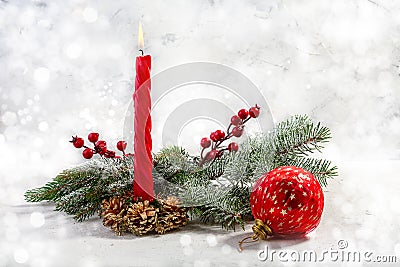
(141, 51)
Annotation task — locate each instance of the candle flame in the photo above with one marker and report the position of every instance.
(140, 36)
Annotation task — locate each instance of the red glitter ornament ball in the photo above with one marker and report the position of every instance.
(289, 200)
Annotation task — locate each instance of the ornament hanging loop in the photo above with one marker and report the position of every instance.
(260, 230)
(243, 241)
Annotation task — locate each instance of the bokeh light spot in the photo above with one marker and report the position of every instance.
(21, 255)
(9, 118)
(89, 14)
(185, 240)
(226, 249)
(37, 219)
(73, 51)
(212, 240)
(42, 75)
(43, 126)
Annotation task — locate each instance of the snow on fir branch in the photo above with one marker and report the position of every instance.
(299, 136)
(79, 191)
(217, 191)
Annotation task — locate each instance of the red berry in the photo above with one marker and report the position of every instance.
(233, 147)
(101, 147)
(243, 114)
(213, 136)
(109, 154)
(205, 142)
(235, 120)
(78, 142)
(211, 155)
(93, 137)
(254, 112)
(101, 143)
(219, 134)
(220, 153)
(87, 153)
(121, 145)
(237, 131)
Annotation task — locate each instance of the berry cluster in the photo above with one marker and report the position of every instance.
(99, 146)
(218, 137)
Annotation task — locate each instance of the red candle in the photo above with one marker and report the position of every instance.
(143, 162)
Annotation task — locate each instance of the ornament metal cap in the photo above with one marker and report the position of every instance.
(260, 231)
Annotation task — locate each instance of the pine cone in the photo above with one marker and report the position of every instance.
(113, 211)
(171, 216)
(141, 217)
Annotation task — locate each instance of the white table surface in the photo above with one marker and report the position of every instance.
(361, 208)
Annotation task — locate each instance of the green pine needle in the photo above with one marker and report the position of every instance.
(79, 191)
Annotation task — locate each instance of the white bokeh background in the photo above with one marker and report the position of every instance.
(67, 67)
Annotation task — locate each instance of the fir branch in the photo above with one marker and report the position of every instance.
(227, 220)
(79, 191)
(217, 167)
(320, 168)
(226, 206)
(47, 192)
(174, 164)
(299, 136)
